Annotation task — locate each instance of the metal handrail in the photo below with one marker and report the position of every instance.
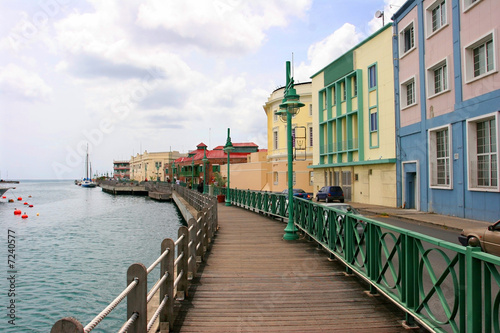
(394, 262)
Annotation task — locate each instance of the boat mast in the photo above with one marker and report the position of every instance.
(87, 163)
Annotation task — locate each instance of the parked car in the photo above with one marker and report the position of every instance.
(300, 193)
(487, 238)
(347, 209)
(330, 193)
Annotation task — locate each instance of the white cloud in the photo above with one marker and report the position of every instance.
(327, 50)
(23, 84)
(230, 26)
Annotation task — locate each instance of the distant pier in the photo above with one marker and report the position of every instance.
(156, 191)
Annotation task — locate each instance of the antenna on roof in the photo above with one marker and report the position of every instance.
(380, 14)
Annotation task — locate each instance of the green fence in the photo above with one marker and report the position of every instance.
(444, 286)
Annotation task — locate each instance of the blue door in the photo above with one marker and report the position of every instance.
(410, 190)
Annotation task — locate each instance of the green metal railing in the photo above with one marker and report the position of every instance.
(444, 286)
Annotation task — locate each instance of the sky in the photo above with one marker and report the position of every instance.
(126, 76)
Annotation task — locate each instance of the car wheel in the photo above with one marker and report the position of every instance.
(327, 200)
(473, 241)
(341, 200)
(317, 198)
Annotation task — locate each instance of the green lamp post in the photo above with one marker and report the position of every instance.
(205, 161)
(228, 148)
(174, 171)
(192, 172)
(289, 107)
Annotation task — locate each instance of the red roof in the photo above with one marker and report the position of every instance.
(217, 152)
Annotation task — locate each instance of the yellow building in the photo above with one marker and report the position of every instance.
(302, 131)
(251, 175)
(151, 166)
(354, 122)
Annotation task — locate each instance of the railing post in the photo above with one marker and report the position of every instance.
(167, 288)
(67, 325)
(199, 237)
(137, 298)
(474, 290)
(192, 247)
(182, 287)
(410, 278)
(204, 224)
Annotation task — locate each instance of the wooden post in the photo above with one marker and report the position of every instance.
(192, 248)
(204, 223)
(137, 298)
(167, 288)
(199, 239)
(67, 325)
(182, 287)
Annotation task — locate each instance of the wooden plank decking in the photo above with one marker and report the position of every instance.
(253, 281)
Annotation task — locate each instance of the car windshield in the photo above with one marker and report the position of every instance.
(298, 190)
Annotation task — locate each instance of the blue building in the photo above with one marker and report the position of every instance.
(447, 92)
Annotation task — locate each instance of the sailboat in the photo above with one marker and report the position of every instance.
(87, 182)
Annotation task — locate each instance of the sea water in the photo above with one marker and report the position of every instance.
(71, 260)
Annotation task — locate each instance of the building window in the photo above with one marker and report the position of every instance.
(344, 91)
(324, 102)
(436, 17)
(408, 93)
(437, 78)
(482, 138)
(294, 178)
(311, 178)
(469, 3)
(407, 39)
(275, 115)
(275, 139)
(310, 136)
(310, 109)
(480, 58)
(275, 178)
(483, 58)
(373, 121)
(372, 76)
(334, 97)
(355, 86)
(439, 157)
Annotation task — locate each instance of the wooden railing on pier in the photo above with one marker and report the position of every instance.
(175, 273)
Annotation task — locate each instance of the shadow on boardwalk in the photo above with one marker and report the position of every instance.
(253, 281)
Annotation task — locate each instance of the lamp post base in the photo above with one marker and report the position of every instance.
(291, 232)
(228, 203)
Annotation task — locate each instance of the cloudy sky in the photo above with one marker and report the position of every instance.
(124, 76)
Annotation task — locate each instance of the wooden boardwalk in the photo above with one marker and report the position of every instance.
(253, 281)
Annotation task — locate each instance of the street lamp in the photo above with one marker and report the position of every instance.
(205, 160)
(227, 148)
(289, 107)
(192, 172)
(174, 171)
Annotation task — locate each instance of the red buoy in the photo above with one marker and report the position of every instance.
(19, 198)
(17, 212)
(30, 206)
(4, 197)
(24, 216)
(26, 203)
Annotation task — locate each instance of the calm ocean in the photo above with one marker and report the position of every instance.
(72, 259)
